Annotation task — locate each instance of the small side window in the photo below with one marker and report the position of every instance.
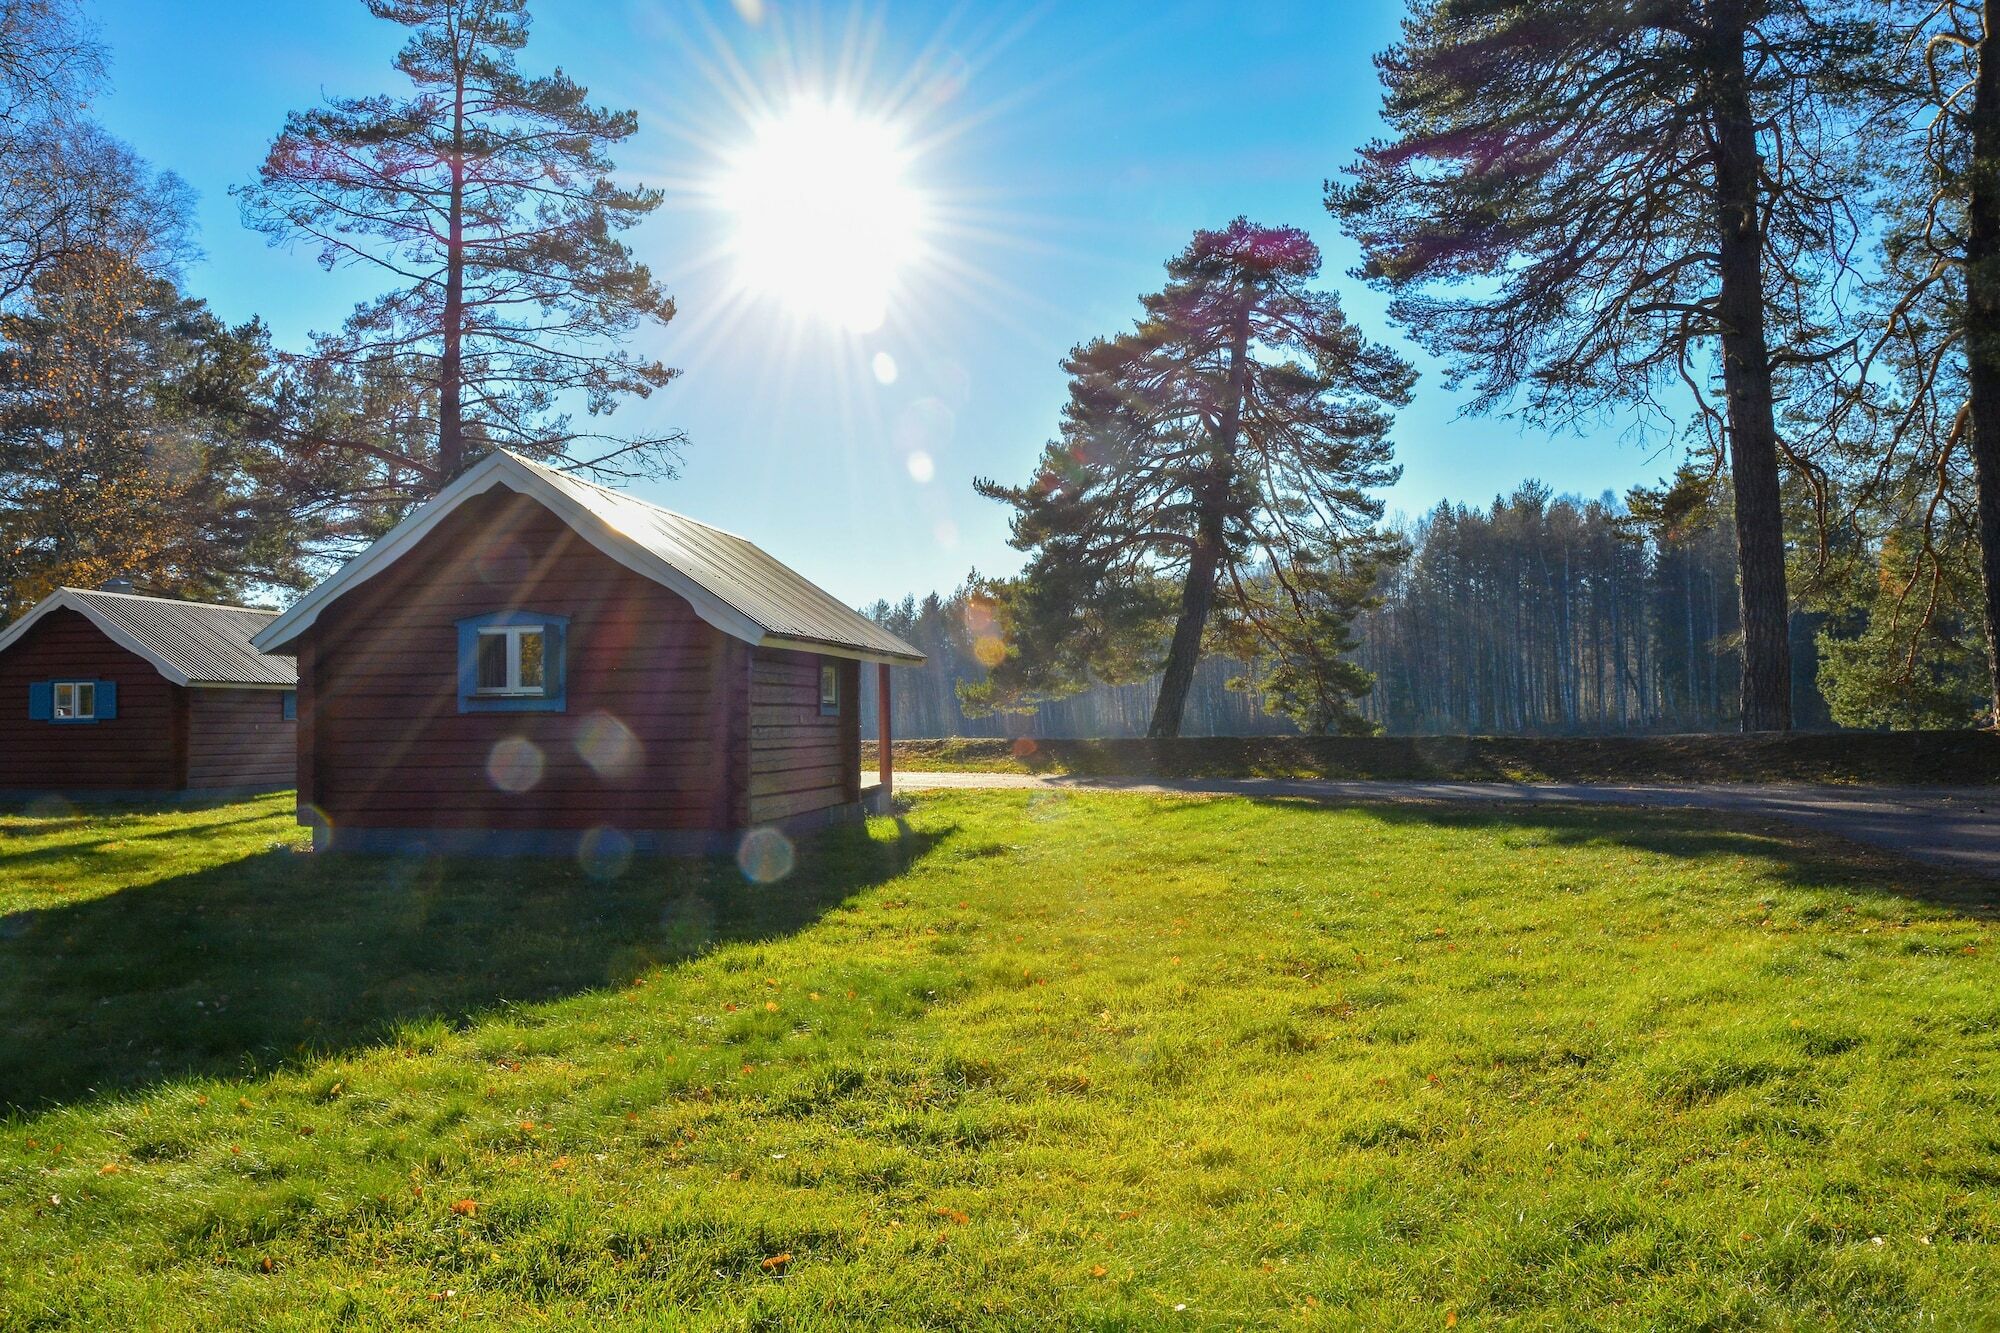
(288, 708)
(829, 690)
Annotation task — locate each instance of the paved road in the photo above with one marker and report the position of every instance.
(1958, 827)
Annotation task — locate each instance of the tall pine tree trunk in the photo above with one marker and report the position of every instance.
(1212, 498)
(1746, 375)
(1982, 334)
(451, 361)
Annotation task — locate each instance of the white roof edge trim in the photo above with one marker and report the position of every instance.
(792, 645)
(62, 601)
(495, 469)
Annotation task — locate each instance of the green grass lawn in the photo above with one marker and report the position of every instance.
(1028, 1058)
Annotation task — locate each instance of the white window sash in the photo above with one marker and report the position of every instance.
(70, 711)
(512, 635)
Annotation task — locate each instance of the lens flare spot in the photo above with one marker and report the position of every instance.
(926, 426)
(502, 562)
(49, 807)
(318, 820)
(604, 853)
(885, 369)
(515, 765)
(922, 469)
(1023, 747)
(946, 533)
(765, 856)
(989, 650)
(608, 746)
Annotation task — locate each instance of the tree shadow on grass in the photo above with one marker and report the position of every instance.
(264, 961)
(1801, 857)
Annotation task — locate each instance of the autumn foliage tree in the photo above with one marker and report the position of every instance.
(108, 467)
(486, 197)
(1210, 484)
(1604, 203)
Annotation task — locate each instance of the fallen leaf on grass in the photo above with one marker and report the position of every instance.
(954, 1215)
(776, 1261)
(1098, 1270)
(465, 1207)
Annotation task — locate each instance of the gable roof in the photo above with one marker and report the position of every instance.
(730, 582)
(190, 643)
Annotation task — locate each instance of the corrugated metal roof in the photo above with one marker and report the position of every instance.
(209, 645)
(735, 570)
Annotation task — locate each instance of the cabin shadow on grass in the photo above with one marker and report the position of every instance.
(278, 957)
(1800, 857)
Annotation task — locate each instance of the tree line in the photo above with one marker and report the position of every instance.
(143, 436)
(1536, 614)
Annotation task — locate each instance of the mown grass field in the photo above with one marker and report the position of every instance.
(1025, 1058)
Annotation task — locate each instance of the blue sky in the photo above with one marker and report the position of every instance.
(1069, 149)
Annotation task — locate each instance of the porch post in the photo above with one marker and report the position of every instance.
(885, 764)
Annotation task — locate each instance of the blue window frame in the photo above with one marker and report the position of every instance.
(289, 707)
(512, 662)
(73, 701)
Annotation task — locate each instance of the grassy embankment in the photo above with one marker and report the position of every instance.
(1044, 1058)
(1940, 758)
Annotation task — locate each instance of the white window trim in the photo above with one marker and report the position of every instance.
(513, 689)
(829, 708)
(74, 687)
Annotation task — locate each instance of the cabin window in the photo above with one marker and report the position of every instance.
(511, 661)
(829, 690)
(72, 700)
(76, 701)
(288, 707)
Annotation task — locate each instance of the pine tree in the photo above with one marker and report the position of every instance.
(1216, 462)
(487, 195)
(1623, 199)
(1918, 415)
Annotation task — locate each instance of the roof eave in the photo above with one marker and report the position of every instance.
(824, 648)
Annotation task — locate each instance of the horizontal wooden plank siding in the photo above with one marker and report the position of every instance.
(239, 738)
(653, 735)
(800, 760)
(135, 751)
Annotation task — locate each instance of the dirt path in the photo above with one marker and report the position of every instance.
(1957, 827)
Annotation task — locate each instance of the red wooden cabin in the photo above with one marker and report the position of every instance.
(533, 664)
(110, 693)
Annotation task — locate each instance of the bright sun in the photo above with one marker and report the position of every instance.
(823, 217)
